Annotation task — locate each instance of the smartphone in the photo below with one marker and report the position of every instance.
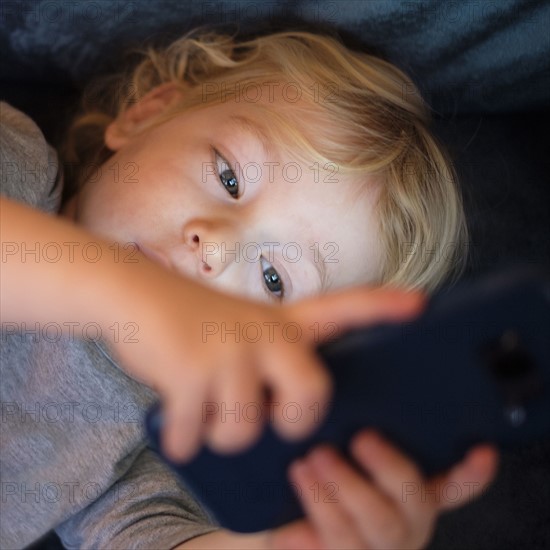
(473, 367)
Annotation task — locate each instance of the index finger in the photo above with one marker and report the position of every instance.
(355, 308)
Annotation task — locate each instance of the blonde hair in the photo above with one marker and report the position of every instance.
(373, 123)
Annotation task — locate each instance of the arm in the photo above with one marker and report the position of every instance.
(46, 276)
(169, 310)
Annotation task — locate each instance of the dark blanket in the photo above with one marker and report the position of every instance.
(484, 67)
(472, 56)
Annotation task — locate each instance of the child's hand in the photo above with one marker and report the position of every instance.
(388, 505)
(197, 349)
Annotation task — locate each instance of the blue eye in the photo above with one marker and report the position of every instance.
(227, 176)
(272, 279)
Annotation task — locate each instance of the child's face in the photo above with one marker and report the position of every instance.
(166, 191)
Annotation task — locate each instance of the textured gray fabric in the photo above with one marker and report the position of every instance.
(73, 453)
(27, 162)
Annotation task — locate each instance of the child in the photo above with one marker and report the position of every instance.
(233, 179)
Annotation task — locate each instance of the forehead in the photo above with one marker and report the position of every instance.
(253, 120)
(245, 124)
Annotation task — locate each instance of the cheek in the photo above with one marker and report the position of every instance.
(242, 279)
(102, 206)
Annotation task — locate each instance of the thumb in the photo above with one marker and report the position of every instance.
(332, 314)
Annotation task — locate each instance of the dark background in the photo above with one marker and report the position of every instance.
(484, 68)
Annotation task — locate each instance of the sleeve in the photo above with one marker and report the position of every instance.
(30, 171)
(146, 508)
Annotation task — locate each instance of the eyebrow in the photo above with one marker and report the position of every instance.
(247, 125)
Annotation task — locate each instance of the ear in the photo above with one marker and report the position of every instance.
(121, 130)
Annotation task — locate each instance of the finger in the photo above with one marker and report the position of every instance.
(182, 433)
(387, 465)
(300, 388)
(330, 520)
(467, 480)
(399, 479)
(361, 499)
(336, 312)
(237, 413)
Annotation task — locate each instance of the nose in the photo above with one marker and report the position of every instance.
(213, 243)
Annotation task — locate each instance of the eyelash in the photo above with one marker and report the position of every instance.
(231, 179)
(272, 277)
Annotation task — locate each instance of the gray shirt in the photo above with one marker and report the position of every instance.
(73, 456)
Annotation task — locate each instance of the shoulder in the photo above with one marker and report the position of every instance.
(30, 168)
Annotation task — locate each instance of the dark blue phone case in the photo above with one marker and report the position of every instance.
(474, 367)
